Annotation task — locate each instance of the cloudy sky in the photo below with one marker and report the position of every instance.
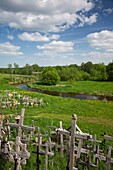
(55, 32)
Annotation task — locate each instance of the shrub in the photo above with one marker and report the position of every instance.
(49, 76)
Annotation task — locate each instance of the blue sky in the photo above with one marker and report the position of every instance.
(55, 32)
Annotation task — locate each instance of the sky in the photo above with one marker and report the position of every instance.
(55, 32)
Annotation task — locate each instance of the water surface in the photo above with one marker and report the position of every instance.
(71, 95)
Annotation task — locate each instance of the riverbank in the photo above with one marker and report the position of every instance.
(66, 94)
(79, 87)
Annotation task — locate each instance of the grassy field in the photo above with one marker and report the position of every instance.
(83, 87)
(92, 116)
(92, 112)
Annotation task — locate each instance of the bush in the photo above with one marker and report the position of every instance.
(49, 76)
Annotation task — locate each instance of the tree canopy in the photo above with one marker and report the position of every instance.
(49, 76)
(73, 72)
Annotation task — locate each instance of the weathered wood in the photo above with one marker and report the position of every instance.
(77, 135)
(78, 152)
(63, 132)
(96, 160)
(24, 153)
(72, 142)
(108, 161)
(22, 117)
(108, 137)
(46, 157)
(103, 158)
(61, 141)
(14, 125)
(1, 128)
(51, 144)
(18, 167)
(74, 139)
(77, 128)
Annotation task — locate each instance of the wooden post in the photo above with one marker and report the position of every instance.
(97, 152)
(46, 157)
(61, 141)
(17, 144)
(8, 130)
(15, 165)
(39, 138)
(21, 122)
(78, 152)
(89, 160)
(0, 128)
(22, 117)
(95, 137)
(0, 145)
(72, 142)
(18, 164)
(108, 158)
(38, 149)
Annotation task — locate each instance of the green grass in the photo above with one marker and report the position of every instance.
(93, 111)
(93, 116)
(83, 87)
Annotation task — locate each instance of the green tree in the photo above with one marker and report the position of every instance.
(87, 66)
(49, 76)
(69, 73)
(109, 69)
(85, 75)
(74, 74)
(16, 66)
(98, 72)
(35, 67)
(10, 71)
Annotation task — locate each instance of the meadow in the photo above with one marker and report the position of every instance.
(91, 113)
(81, 87)
(93, 116)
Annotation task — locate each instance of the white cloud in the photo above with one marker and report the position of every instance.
(45, 15)
(57, 46)
(108, 11)
(57, 51)
(102, 40)
(10, 37)
(37, 37)
(46, 6)
(8, 49)
(87, 20)
(97, 56)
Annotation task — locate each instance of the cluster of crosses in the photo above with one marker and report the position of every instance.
(14, 100)
(81, 149)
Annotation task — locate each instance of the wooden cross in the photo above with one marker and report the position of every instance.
(20, 125)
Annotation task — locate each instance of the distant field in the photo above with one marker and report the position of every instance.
(87, 87)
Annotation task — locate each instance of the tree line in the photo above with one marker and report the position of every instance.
(73, 72)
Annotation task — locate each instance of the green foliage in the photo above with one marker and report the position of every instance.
(110, 71)
(73, 72)
(87, 67)
(49, 76)
(70, 73)
(98, 72)
(85, 75)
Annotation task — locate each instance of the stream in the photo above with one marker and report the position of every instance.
(71, 95)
